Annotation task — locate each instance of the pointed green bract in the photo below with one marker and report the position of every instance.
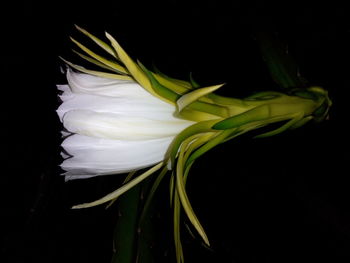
(193, 96)
(219, 138)
(92, 60)
(97, 73)
(203, 139)
(161, 90)
(98, 41)
(294, 119)
(178, 82)
(132, 67)
(198, 128)
(121, 189)
(301, 122)
(195, 115)
(170, 84)
(114, 66)
(127, 179)
(180, 187)
(255, 114)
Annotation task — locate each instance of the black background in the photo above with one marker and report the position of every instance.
(280, 199)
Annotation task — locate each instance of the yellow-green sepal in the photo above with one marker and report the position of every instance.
(210, 143)
(255, 114)
(97, 73)
(98, 41)
(121, 190)
(301, 122)
(179, 82)
(112, 65)
(132, 67)
(195, 95)
(197, 128)
(295, 118)
(161, 90)
(92, 60)
(181, 174)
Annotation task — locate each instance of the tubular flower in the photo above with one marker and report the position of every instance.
(116, 126)
(127, 118)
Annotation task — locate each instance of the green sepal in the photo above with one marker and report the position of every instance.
(219, 138)
(301, 122)
(121, 190)
(179, 82)
(197, 128)
(98, 41)
(194, 96)
(256, 114)
(97, 73)
(127, 179)
(218, 110)
(93, 61)
(264, 95)
(180, 187)
(294, 119)
(113, 65)
(171, 84)
(161, 90)
(133, 68)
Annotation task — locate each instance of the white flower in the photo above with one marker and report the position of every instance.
(123, 119)
(116, 125)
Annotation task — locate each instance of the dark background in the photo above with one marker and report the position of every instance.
(279, 199)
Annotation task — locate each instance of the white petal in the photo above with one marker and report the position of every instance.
(127, 105)
(96, 156)
(85, 83)
(63, 87)
(121, 126)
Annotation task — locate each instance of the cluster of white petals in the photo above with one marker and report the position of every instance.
(114, 126)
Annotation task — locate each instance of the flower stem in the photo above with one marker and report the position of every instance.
(126, 227)
(134, 232)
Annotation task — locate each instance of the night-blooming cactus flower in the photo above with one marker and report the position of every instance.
(127, 118)
(116, 126)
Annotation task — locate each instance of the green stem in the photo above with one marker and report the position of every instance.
(145, 229)
(126, 228)
(134, 233)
